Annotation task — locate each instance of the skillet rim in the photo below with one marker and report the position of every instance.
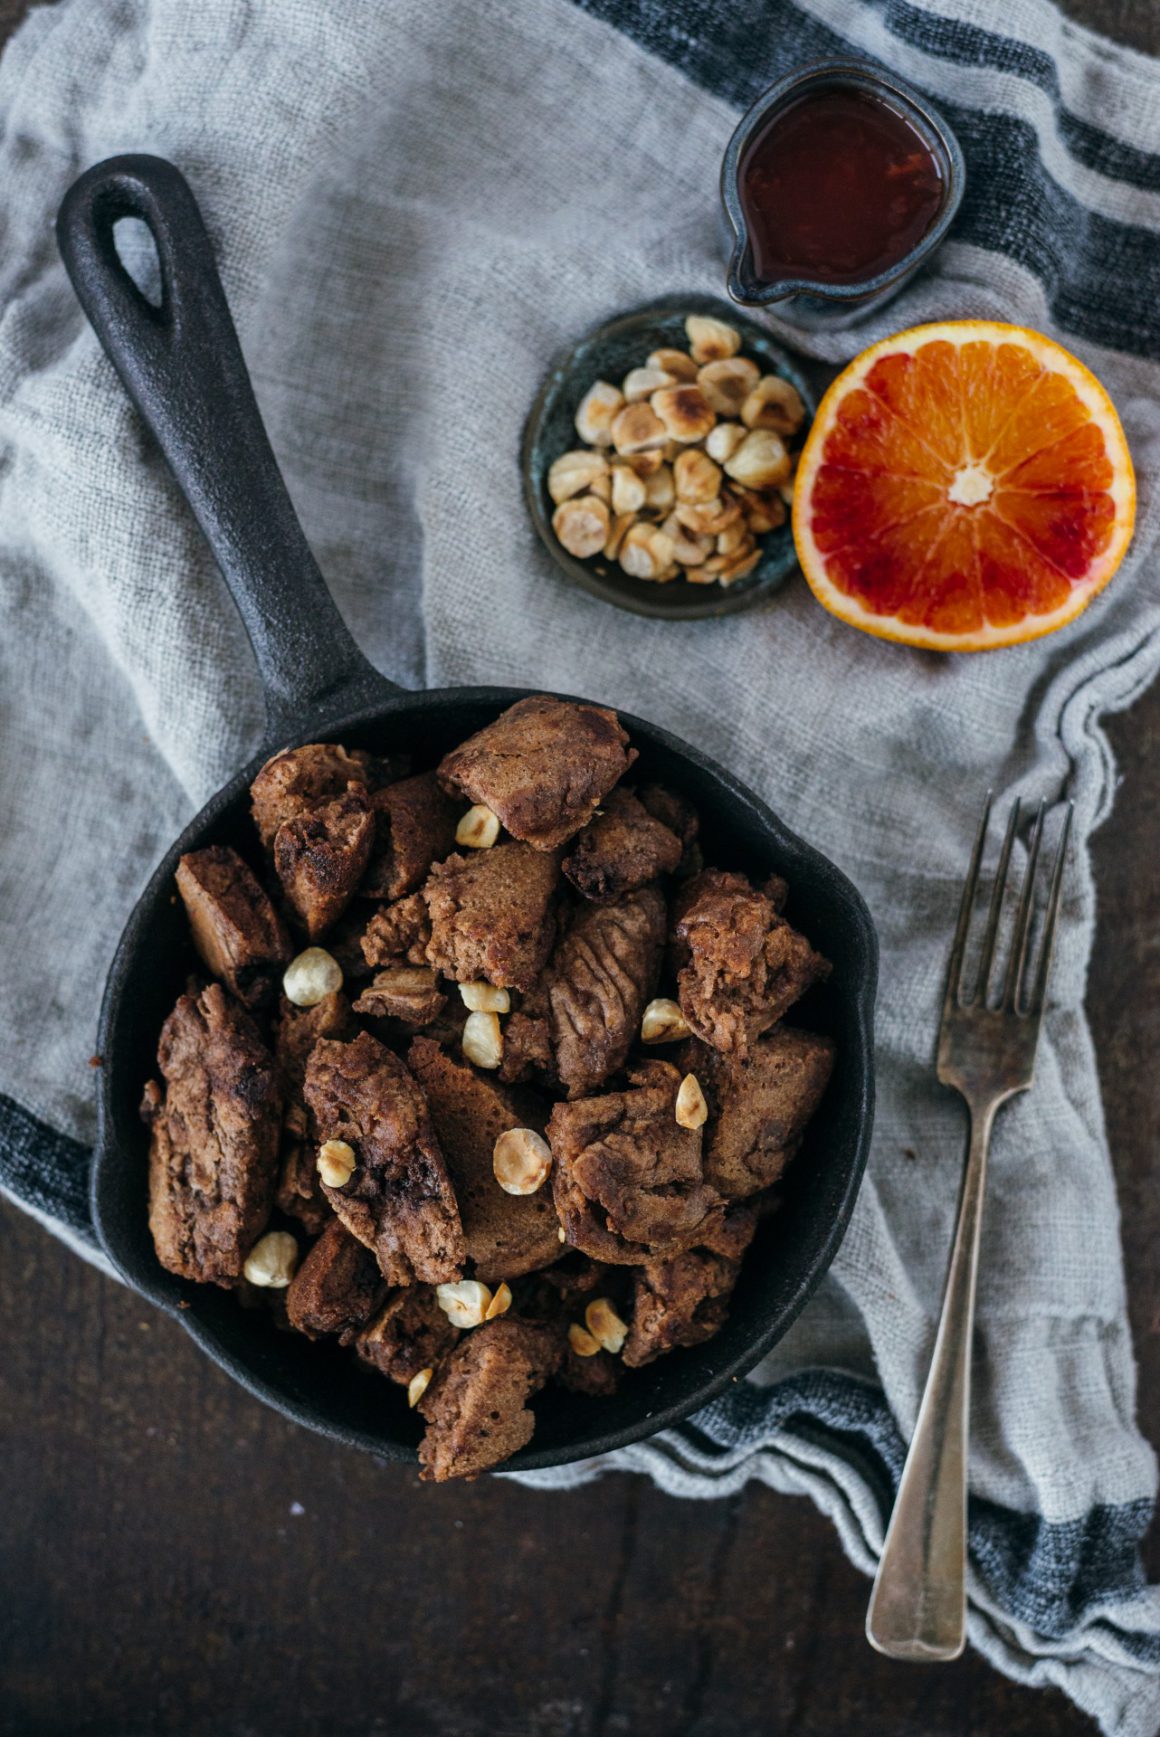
(861, 985)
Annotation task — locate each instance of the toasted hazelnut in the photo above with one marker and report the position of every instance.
(696, 477)
(484, 997)
(672, 571)
(465, 1302)
(418, 1385)
(602, 488)
(521, 1160)
(618, 530)
(691, 1109)
(605, 1325)
(689, 549)
(698, 576)
(708, 518)
(478, 829)
(711, 340)
(659, 492)
(646, 552)
(273, 1261)
(574, 473)
(738, 566)
(762, 512)
(734, 537)
(594, 417)
(676, 362)
(663, 1022)
(722, 442)
(482, 1040)
(645, 464)
(773, 403)
(336, 1163)
(727, 384)
(582, 1341)
(760, 462)
(581, 524)
(311, 977)
(500, 1303)
(637, 428)
(685, 412)
(561, 1234)
(640, 383)
(627, 490)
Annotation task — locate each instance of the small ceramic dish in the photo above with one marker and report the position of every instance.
(607, 353)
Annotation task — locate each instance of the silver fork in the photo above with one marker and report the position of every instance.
(987, 1052)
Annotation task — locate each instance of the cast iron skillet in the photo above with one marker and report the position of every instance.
(181, 365)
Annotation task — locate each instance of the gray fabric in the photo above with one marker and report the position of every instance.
(413, 211)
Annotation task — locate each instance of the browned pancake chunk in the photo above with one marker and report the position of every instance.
(600, 978)
(543, 767)
(622, 847)
(476, 1406)
(507, 1234)
(214, 1146)
(527, 1043)
(399, 1200)
(300, 779)
(410, 1333)
(673, 811)
(741, 965)
(401, 931)
(761, 1105)
(628, 1181)
(296, 1031)
(337, 1288)
(320, 856)
(415, 826)
(682, 1301)
(493, 915)
(408, 993)
(235, 928)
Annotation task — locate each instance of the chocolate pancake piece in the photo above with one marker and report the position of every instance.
(410, 1333)
(399, 1200)
(236, 930)
(319, 857)
(296, 1031)
(761, 1105)
(543, 767)
(337, 1288)
(415, 826)
(599, 980)
(476, 1407)
(493, 915)
(622, 847)
(214, 1138)
(298, 780)
(507, 1234)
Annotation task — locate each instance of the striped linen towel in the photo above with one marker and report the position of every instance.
(414, 207)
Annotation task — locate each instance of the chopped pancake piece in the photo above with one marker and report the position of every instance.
(410, 1333)
(301, 779)
(409, 993)
(741, 965)
(415, 827)
(507, 1234)
(398, 932)
(235, 928)
(399, 1199)
(672, 811)
(493, 915)
(622, 847)
(527, 1042)
(214, 1138)
(761, 1105)
(628, 1181)
(296, 1031)
(682, 1301)
(337, 1288)
(320, 856)
(543, 767)
(600, 979)
(476, 1407)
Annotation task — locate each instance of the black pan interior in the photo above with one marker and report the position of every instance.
(323, 1388)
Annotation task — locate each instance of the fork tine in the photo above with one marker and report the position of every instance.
(966, 904)
(1022, 931)
(991, 933)
(1035, 1005)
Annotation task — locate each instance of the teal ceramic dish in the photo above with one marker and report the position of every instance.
(607, 353)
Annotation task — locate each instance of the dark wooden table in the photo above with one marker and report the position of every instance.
(176, 1559)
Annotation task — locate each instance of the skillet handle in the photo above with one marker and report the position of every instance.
(182, 366)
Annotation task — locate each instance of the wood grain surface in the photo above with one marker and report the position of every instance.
(174, 1558)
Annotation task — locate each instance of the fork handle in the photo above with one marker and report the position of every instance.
(918, 1605)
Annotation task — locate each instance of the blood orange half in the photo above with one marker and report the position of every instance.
(964, 485)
